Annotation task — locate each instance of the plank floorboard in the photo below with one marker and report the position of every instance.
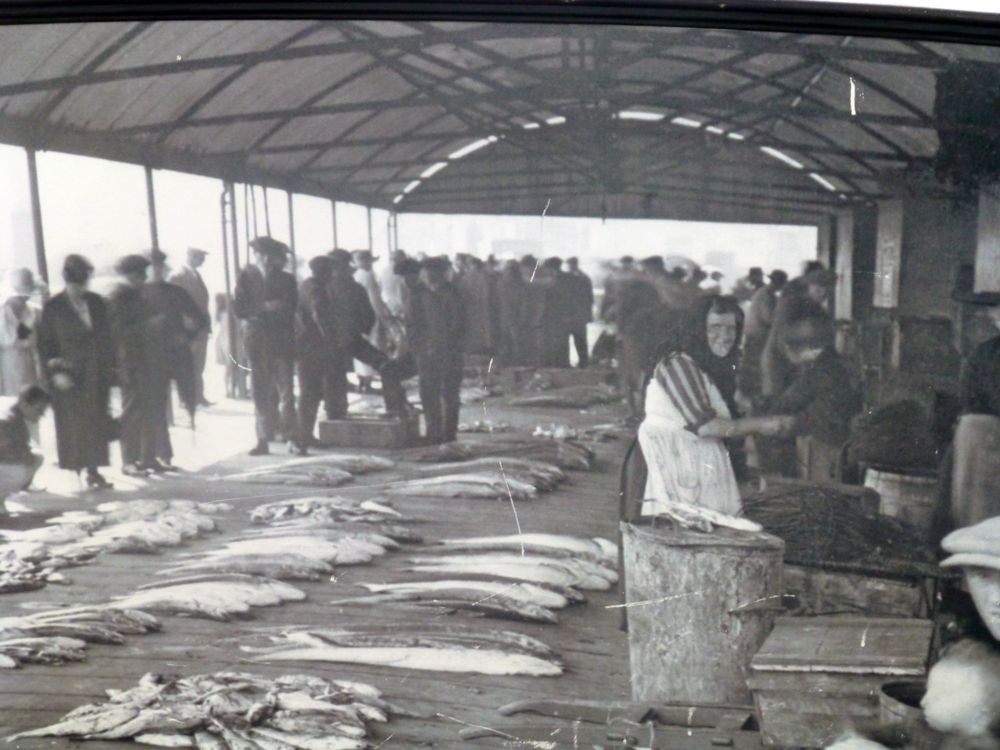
(433, 707)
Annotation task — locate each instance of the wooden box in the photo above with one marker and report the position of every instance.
(368, 432)
(815, 676)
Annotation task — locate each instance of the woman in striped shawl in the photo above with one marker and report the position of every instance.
(691, 412)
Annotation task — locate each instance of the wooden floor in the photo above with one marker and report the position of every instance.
(431, 708)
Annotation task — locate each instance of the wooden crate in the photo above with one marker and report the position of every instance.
(814, 676)
(368, 432)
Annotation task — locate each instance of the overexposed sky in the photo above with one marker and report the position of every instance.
(99, 208)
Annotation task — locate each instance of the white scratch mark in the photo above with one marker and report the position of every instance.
(384, 741)
(513, 506)
(854, 97)
(489, 367)
(864, 637)
(238, 364)
(647, 602)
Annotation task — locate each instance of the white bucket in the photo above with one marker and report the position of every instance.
(904, 496)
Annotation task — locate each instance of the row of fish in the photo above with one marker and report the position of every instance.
(63, 634)
(320, 471)
(565, 454)
(521, 577)
(481, 485)
(433, 648)
(230, 711)
(30, 558)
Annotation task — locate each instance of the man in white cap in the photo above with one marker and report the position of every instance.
(976, 551)
(189, 279)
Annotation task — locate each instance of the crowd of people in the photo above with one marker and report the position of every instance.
(151, 333)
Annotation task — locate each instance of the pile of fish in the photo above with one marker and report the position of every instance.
(482, 485)
(563, 453)
(319, 471)
(290, 553)
(63, 634)
(570, 397)
(540, 475)
(29, 558)
(215, 596)
(230, 711)
(307, 514)
(439, 649)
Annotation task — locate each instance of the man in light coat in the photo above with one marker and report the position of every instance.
(188, 277)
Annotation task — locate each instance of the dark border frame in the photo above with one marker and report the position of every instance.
(757, 15)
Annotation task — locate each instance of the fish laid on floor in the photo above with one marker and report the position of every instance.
(563, 453)
(470, 486)
(56, 636)
(230, 711)
(29, 558)
(297, 476)
(284, 566)
(562, 571)
(341, 508)
(431, 649)
(573, 396)
(351, 463)
(526, 592)
(594, 548)
(496, 604)
(217, 599)
(542, 476)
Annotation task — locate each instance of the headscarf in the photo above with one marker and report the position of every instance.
(690, 337)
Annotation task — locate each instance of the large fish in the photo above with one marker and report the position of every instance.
(484, 486)
(563, 543)
(217, 600)
(352, 463)
(573, 572)
(443, 651)
(302, 476)
(570, 397)
(563, 453)
(543, 476)
(346, 550)
(282, 566)
(525, 592)
(496, 604)
(334, 507)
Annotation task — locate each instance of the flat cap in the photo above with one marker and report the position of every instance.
(157, 257)
(130, 264)
(974, 546)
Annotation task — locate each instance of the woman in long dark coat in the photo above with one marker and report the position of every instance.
(77, 356)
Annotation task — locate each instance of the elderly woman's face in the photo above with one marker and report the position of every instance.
(984, 588)
(720, 329)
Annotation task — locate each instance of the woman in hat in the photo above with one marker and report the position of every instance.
(77, 357)
(18, 321)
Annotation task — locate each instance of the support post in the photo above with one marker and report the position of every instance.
(889, 253)
(370, 237)
(843, 302)
(824, 249)
(235, 228)
(395, 230)
(987, 264)
(154, 234)
(333, 209)
(267, 212)
(36, 216)
(291, 235)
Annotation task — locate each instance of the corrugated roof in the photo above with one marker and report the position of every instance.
(772, 123)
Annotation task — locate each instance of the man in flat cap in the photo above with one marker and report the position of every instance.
(975, 550)
(364, 274)
(436, 329)
(177, 321)
(188, 277)
(266, 299)
(140, 382)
